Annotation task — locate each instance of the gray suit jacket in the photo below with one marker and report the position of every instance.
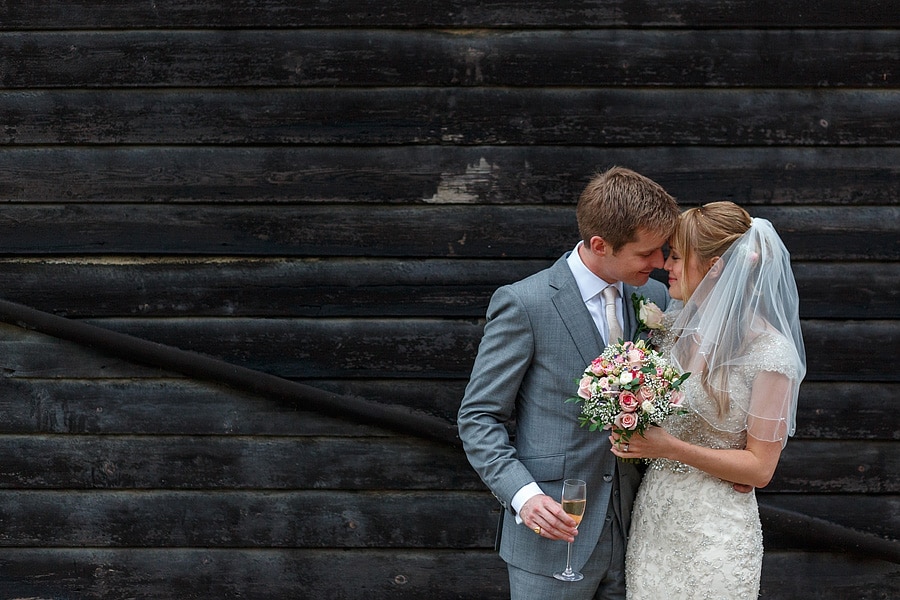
(538, 339)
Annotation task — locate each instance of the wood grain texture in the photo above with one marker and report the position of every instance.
(354, 287)
(467, 116)
(364, 349)
(330, 192)
(309, 574)
(90, 462)
(375, 58)
(311, 519)
(136, 402)
(233, 463)
(868, 233)
(442, 174)
(97, 14)
(195, 573)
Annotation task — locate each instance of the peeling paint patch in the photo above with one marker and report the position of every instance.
(466, 188)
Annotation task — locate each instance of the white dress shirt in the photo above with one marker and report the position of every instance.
(591, 288)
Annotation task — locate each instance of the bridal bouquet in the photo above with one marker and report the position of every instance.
(629, 388)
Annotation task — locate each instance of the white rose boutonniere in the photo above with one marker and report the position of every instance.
(649, 316)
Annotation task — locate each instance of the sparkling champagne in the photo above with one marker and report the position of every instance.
(575, 509)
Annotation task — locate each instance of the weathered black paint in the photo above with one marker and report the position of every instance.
(329, 192)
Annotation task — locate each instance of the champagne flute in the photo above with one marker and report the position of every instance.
(574, 498)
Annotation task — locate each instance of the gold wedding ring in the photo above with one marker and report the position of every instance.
(537, 530)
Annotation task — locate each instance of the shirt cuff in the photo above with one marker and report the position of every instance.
(525, 493)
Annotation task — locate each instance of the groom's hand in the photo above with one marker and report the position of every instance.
(546, 518)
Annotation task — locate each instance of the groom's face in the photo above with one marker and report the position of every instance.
(633, 262)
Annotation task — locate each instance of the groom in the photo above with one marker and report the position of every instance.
(540, 334)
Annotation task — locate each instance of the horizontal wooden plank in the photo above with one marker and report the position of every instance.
(844, 410)
(365, 349)
(172, 406)
(848, 290)
(246, 287)
(345, 287)
(826, 342)
(847, 510)
(97, 14)
(443, 174)
(865, 233)
(324, 519)
(162, 407)
(231, 463)
(468, 116)
(295, 519)
(284, 463)
(363, 58)
(826, 466)
(788, 575)
(161, 574)
(315, 348)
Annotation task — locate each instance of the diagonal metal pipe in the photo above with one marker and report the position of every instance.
(397, 418)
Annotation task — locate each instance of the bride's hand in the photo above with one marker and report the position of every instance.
(653, 443)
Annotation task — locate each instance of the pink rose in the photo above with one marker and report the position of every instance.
(676, 398)
(584, 387)
(599, 366)
(634, 357)
(646, 393)
(626, 420)
(628, 402)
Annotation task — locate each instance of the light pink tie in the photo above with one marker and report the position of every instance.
(610, 293)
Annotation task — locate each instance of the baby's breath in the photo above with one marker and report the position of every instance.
(628, 388)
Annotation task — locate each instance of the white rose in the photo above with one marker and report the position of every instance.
(651, 315)
(648, 407)
(625, 378)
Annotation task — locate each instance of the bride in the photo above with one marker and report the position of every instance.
(692, 534)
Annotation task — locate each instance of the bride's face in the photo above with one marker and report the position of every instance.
(684, 276)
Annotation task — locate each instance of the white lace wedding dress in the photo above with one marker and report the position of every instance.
(692, 535)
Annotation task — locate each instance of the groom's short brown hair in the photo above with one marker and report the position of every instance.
(619, 202)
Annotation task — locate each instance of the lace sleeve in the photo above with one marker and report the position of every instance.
(772, 403)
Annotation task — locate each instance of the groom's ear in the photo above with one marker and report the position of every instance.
(599, 246)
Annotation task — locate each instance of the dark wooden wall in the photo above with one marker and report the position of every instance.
(329, 192)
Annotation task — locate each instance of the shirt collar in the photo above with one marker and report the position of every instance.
(588, 284)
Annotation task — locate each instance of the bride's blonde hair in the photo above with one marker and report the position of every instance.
(702, 234)
(705, 232)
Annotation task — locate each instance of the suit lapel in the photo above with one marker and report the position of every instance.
(574, 314)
